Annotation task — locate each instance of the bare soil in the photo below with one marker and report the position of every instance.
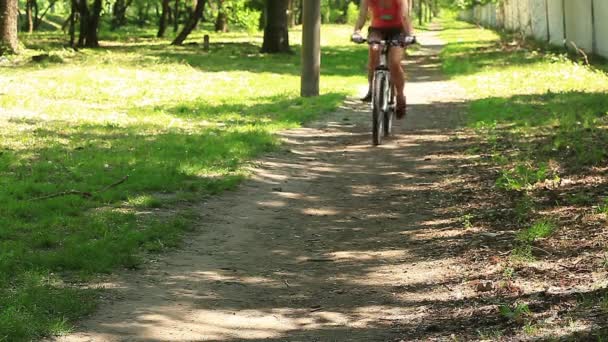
(336, 240)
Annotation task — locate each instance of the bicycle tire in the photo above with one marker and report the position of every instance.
(389, 113)
(377, 108)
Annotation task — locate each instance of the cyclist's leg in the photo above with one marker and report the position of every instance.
(373, 60)
(398, 78)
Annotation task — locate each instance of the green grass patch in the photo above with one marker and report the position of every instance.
(179, 122)
(539, 230)
(517, 313)
(522, 177)
(545, 106)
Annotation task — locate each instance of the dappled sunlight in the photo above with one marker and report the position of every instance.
(420, 272)
(371, 255)
(320, 212)
(272, 204)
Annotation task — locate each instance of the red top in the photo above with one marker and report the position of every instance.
(386, 13)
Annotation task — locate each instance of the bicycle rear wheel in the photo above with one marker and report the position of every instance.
(378, 105)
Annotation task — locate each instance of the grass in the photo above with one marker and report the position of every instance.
(517, 314)
(179, 122)
(538, 230)
(544, 105)
(542, 117)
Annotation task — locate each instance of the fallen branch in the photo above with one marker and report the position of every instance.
(64, 193)
(83, 194)
(580, 51)
(542, 250)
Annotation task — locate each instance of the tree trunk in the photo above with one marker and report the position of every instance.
(276, 36)
(191, 23)
(300, 11)
(176, 16)
(119, 10)
(291, 19)
(9, 10)
(89, 23)
(72, 20)
(221, 23)
(162, 24)
(420, 12)
(29, 6)
(38, 18)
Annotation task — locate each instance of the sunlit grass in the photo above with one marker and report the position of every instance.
(526, 89)
(178, 122)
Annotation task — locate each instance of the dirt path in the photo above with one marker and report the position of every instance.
(332, 240)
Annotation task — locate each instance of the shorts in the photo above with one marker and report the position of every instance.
(389, 33)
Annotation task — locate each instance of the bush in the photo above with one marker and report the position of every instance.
(336, 17)
(352, 13)
(243, 16)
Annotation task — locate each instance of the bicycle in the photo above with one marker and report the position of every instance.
(383, 97)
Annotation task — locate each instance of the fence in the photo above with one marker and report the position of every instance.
(582, 22)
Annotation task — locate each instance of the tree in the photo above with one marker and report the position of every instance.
(119, 10)
(89, 23)
(9, 12)
(191, 23)
(221, 22)
(276, 34)
(31, 12)
(162, 22)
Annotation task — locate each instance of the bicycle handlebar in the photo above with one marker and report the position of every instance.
(409, 40)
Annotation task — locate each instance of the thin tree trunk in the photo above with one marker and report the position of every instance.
(162, 25)
(276, 35)
(221, 23)
(291, 19)
(119, 11)
(30, 16)
(83, 9)
(74, 8)
(176, 16)
(38, 19)
(9, 14)
(191, 24)
(420, 12)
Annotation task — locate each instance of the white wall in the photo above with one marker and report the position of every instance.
(556, 22)
(584, 21)
(538, 14)
(578, 23)
(509, 7)
(600, 9)
(525, 22)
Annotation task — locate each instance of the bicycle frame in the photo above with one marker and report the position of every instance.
(383, 70)
(383, 97)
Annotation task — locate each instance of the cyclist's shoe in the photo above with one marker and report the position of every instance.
(400, 109)
(367, 97)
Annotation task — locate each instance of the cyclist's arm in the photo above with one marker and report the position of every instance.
(407, 22)
(363, 6)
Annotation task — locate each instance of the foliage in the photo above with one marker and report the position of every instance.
(516, 313)
(463, 4)
(522, 177)
(352, 13)
(538, 230)
(242, 15)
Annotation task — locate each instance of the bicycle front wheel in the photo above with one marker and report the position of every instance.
(389, 111)
(378, 106)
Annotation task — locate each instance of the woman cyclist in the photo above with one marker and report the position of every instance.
(390, 20)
